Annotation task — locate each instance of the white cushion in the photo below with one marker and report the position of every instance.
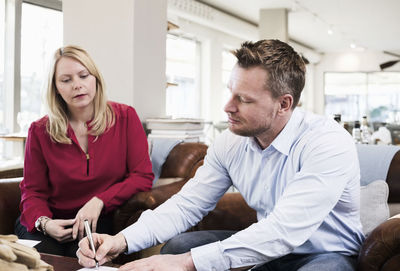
(394, 208)
(395, 216)
(374, 206)
(164, 181)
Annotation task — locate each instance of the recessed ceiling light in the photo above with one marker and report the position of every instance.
(330, 31)
(353, 45)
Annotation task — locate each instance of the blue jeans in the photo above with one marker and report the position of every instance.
(291, 262)
(329, 261)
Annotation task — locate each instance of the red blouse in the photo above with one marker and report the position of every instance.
(59, 179)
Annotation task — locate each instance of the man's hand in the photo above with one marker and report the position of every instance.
(90, 211)
(60, 229)
(180, 262)
(107, 248)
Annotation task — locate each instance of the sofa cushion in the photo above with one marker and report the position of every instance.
(374, 207)
(159, 149)
(165, 181)
(10, 197)
(375, 161)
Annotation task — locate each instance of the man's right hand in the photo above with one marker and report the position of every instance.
(107, 248)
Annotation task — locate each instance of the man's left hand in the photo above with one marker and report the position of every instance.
(180, 262)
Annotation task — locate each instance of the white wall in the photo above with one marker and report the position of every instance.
(351, 61)
(212, 43)
(217, 30)
(127, 41)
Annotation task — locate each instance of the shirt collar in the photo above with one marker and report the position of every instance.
(283, 142)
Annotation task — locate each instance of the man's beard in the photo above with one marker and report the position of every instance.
(250, 132)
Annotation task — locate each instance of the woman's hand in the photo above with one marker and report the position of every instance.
(60, 229)
(91, 212)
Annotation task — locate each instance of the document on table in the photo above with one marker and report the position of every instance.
(29, 243)
(101, 268)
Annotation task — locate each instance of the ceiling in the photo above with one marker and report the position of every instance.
(367, 24)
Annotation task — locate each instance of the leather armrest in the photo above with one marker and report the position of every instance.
(231, 213)
(183, 161)
(10, 197)
(392, 179)
(381, 249)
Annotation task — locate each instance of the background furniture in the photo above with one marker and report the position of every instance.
(11, 173)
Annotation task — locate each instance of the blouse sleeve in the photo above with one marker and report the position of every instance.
(35, 185)
(139, 176)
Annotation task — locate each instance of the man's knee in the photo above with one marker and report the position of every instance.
(184, 242)
(330, 262)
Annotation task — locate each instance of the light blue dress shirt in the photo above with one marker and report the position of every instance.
(305, 188)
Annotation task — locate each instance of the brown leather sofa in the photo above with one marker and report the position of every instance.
(380, 251)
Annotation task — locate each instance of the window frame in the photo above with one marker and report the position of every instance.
(197, 76)
(367, 93)
(12, 56)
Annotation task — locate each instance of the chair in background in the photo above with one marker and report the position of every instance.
(11, 173)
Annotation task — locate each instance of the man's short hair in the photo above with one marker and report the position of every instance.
(284, 66)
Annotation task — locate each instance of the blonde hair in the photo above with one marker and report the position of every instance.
(57, 124)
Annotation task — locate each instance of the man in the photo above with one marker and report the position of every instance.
(299, 172)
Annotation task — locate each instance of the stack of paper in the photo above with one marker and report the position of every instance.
(186, 129)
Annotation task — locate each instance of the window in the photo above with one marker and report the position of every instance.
(353, 95)
(2, 96)
(345, 94)
(41, 35)
(384, 96)
(183, 65)
(2, 93)
(31, 31)
(228, 61)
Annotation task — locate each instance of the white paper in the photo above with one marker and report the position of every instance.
(101, 268)
(28, 243)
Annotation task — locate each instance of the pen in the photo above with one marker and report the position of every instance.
(90, 237)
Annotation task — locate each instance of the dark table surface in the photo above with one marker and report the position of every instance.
(61, 263)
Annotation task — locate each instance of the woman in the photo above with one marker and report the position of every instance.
(82, 160)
